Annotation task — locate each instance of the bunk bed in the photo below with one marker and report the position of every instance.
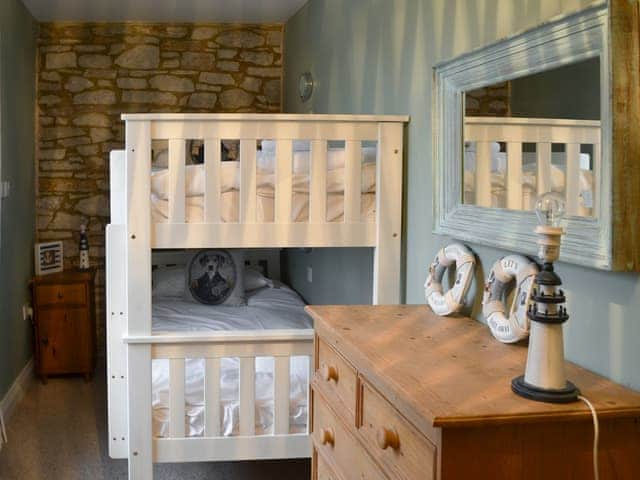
(563, 157)
(300, 181)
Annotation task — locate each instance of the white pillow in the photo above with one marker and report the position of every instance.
(253, 280)
(168, 282)
(216, 277)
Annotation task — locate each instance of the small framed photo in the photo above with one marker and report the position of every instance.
(48, 257)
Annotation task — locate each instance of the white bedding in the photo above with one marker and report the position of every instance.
(230, 211)
(267, 308)
(230, 185)
(528, 177)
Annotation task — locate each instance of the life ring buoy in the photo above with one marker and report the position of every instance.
(452, 301)
(515, 327)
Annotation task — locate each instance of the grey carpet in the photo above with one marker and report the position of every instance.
(59, 431)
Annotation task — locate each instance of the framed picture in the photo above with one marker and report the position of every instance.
(48, 257)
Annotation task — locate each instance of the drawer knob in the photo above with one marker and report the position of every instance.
(60, 295)
(329, 372)
(327, 437)
(387, 437)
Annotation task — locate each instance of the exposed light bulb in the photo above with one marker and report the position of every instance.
(550, 209)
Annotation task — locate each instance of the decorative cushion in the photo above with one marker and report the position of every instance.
(253, 280)
(216, 277)
(168, 282)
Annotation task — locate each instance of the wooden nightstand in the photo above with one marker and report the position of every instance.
(64, 323)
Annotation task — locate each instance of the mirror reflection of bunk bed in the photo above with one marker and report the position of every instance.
(508, 162)
(192, 382)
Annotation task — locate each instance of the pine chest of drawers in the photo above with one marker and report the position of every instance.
(400, 393)
(64, 323)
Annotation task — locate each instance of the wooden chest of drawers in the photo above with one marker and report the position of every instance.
(400, 393)
(64, 323)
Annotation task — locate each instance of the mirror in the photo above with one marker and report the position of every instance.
(527, 115)
(533, 134)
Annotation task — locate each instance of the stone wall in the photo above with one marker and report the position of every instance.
(493, 101)
(88, 74)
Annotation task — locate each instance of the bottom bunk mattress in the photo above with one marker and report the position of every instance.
(267, 308)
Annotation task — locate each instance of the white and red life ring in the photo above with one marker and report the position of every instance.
(515, 327)
(453, 300)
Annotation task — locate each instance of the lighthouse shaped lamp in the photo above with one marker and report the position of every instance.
(83, 247)
(544, 379)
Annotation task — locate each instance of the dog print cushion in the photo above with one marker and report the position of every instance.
(216, 277)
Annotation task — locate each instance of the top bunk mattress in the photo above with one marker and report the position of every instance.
(267, 308)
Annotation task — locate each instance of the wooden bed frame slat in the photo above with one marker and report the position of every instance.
(212, 173)
(352, 181)
(284, 181)
(212, 397)
(177, 151)
(514, 175)
(247, 395)
(483, 174)
(281, 391)
(318, 187)
(176, 397)
(248, 199)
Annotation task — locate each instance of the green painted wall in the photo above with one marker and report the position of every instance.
(17, 89)
(376, 56)
(332, 269)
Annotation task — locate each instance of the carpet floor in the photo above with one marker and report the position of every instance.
(59, 431)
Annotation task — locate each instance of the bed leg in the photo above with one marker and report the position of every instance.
(140, 428)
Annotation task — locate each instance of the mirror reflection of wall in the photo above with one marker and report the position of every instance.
(534, 134)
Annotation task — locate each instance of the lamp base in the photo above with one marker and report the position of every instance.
(566, 395)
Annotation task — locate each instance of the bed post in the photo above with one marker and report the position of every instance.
(138, 315)
(386, 264)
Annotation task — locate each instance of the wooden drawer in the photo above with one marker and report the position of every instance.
(323, 471)
(64, 341)
(338, 447)
(62, 294)
(395, 443)
(337, 377)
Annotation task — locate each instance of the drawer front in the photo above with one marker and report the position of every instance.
(323, 471)
(64, 341)
(337, 377)
(398, 446)
(63, 294)
(333, 442)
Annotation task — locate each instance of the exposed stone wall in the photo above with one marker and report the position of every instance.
(91, 73)
(493, 100)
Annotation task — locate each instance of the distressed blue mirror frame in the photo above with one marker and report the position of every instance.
(562, 41)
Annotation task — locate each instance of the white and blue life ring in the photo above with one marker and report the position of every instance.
(515, 326)
(453, 300)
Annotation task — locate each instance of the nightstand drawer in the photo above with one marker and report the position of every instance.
(403, 452)
(62, 294)
(337, 378)
(332, 441)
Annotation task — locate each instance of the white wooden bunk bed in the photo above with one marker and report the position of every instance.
(148, 213)
(514, 178)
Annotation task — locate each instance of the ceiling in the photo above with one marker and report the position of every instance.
(221, 11)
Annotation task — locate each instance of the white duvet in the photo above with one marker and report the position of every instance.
(267, 308)
(265, 183)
